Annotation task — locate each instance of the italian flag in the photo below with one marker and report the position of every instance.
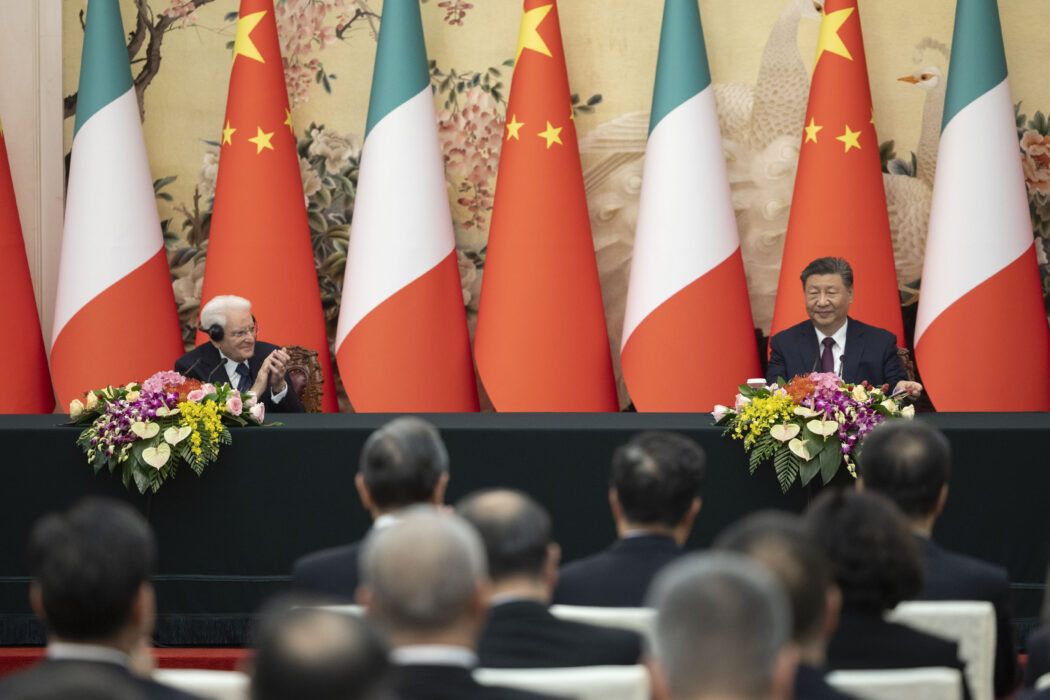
(688, 337)
(981, 308)
(115, 315)
(402, 342)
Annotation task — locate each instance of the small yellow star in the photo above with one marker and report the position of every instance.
(288, 120)
(551, 134)
(830, 40)
(529, 36)
(262, 140)
(850, 138)
(811, 130)
(227, 133)
(872, 115)
(572, 114)
(243, 45)
(513, 126)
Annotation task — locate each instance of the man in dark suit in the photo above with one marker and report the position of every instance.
(90, 586)
(232, 354)
(654, 495)
(780, 543)
(423, 579)
(910, 463)
(523, 563)
(831, 341)
(403, 463)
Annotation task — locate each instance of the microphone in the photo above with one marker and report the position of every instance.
(842, 364)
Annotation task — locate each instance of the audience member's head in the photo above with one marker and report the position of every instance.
(90, 568)
(425, 578)
(307, 653)
(909, 462)
(516, 532)
(874, 555)
(655, 483)
(781, 543)
(722, 629)
(402, 463)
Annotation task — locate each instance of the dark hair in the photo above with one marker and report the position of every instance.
(514, 528)
(874, 555)
(656, 476)
(829, 266)
(909, 462)
(781, 543)
(90, 563)
(402, 461)
(307, 653)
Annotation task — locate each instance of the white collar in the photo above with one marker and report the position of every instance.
(385, 520)
(434, 655)
(71, 651)
(838, 336)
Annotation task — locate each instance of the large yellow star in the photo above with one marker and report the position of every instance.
(551, 134)
(513, 127)
(262, 140)
(243, 45)
(529, 36)
(830, 40)
(811, 130)
(227, 133)
(850, 138)
(288, 121)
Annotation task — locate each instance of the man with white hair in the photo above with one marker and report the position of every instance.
(723, 628)
(232, 354)
(425, 580)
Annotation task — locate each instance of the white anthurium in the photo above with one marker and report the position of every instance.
(824, 428)
(157, 456)
(173, 436)
(806, 412)
(800, 448)
(145, 430)
(785, 431)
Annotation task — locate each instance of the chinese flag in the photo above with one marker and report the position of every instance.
(259, 245)
(541, 342)
(27, 384)
(839, 205)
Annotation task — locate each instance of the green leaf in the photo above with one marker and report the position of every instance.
(317, 221)
(786, 465)
(809, 470)
(141, 479)
(830, 461)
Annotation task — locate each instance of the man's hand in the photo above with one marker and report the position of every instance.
(274, 364)
(914, 389)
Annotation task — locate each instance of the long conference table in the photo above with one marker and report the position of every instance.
(227, 540)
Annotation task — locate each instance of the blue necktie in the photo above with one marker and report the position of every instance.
(244, 383)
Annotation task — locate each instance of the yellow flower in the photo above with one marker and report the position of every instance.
(91, 401)
(76, 408)
(133, 396)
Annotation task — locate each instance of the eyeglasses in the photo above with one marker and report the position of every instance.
(242, 334)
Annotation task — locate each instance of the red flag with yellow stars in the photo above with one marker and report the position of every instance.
(839, 205)
(259, 247)
(541, 343)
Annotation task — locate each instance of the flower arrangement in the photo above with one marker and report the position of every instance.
(147, 429)
(809, 425)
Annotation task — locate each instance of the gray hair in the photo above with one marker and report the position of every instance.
(423, 571)
(721, 622)
(214, 312)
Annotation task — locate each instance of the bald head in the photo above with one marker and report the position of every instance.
(515, 529)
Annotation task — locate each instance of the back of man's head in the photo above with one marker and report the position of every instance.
(907, 461)
(781, 543)
(722, 622)
(656, 477)
(305, 653)
(423, 573)
(88, 565)
(515, 529)
(402, 462)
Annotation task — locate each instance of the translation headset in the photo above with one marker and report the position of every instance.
(217, 332)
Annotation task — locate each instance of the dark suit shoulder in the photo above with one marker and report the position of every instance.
(954, 576)
(109, 680)
(331, 571)
(618, 576)
(422, 682)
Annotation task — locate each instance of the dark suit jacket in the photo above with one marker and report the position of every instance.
(412, 682)
(810, 685)
(951, 576)
(1038, 656)
(121, 682)
(524, 634)
(618, 576)
(871, 354)
(329, 572)
(206, 364)
(865, 641)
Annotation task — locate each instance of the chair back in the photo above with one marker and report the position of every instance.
(214, 685)
(306, 376)
(581, 682)
(970, 623)
(935, 683)
(640, 620)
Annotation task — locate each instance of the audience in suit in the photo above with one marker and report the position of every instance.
(403, 463)
(780, 543)
(723, 630)
(308, 653)
(523, 563)
(877, 565)
(424, 580)
(910, 463)
(90, 569)
(654, 495)
(1038, 644)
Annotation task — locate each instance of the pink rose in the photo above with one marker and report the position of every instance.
(208, 389)
(720, 412)
(197, 395)
(258, 411)
(234, 405)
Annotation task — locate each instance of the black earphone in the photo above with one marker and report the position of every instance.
(217, 332)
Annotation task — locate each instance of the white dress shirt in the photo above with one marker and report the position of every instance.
(838, 349)
(434, 655)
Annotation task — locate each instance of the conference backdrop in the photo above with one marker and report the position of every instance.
(760, 53)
